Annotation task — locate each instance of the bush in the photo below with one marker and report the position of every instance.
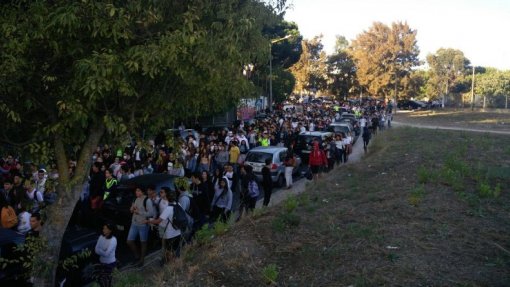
(270, 273)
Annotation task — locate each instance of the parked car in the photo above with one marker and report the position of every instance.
(256, 158)
(304, 143)
(343, 127)
(354, 122)
(411, 105)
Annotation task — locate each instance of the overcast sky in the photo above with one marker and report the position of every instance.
(479, 28)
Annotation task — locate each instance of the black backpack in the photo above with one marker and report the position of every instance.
(179, 219)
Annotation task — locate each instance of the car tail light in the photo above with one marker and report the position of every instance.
(274, 166)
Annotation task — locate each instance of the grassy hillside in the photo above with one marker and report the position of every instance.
(423, 208)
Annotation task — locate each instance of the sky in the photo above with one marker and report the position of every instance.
(479, 28)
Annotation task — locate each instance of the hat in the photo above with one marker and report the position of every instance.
(42, 170)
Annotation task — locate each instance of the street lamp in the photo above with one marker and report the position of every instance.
(271, 70)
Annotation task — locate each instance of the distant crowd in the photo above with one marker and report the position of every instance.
(211, 184)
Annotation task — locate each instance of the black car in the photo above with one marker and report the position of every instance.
(411, 105)
(305, 140)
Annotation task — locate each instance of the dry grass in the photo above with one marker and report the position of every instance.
(358, 227)
(495, 120)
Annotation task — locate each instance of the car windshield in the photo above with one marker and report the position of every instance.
(259, 157)
(307, 140)
(338, 129)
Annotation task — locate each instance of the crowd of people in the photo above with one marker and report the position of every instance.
(212, 181)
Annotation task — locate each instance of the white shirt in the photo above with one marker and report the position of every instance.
(166, 217)
(23, 222)
(105, 248)
(363, 122)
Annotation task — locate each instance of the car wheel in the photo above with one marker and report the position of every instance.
(281, 181)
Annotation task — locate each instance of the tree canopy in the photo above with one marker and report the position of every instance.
(74, 71)
(384, 56)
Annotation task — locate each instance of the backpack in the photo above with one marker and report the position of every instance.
(253, 189)
(8, 217)
(179, 219)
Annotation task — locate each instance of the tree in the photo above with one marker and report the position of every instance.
(73, 72)
(341, 70)
(384, 56)
(494, 86)
(448, 67)
(311, 69)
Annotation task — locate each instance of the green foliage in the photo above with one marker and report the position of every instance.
(416, 195)
(27, 256)
(204, 236)
(426, 175)
(270, 273)
(486, 191)
(221, 228)
(70, 263)
(290, 204)
(448, 70)
(452, 178)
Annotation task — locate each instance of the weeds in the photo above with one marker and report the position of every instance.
(290, 204)
(426, 175)
(270, 273)
(485, 190)
(416, 195)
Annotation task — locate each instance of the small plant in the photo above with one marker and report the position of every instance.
(220, 228)
(290, 204)
(204, 235)
(270, 273)
(485, 190)
(453, 178)
(278, 225)
(425, 175)
(416, 195)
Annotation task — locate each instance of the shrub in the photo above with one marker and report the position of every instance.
(416, 195)
(270, 273)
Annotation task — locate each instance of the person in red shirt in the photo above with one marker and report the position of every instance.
(317, 160)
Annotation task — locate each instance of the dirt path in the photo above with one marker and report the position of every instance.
(434, 127)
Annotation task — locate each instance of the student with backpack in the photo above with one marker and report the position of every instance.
(170, 222)
(142, 210)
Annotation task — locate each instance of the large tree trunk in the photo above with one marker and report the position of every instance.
(69, 190)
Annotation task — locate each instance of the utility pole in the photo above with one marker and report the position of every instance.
(271, 69)
(473, 90)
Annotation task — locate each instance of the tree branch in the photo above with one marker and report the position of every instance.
(95, 134)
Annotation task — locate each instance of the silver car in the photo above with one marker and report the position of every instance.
(256, 158)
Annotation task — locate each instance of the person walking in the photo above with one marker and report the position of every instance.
(267, 181)
(366, 138)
